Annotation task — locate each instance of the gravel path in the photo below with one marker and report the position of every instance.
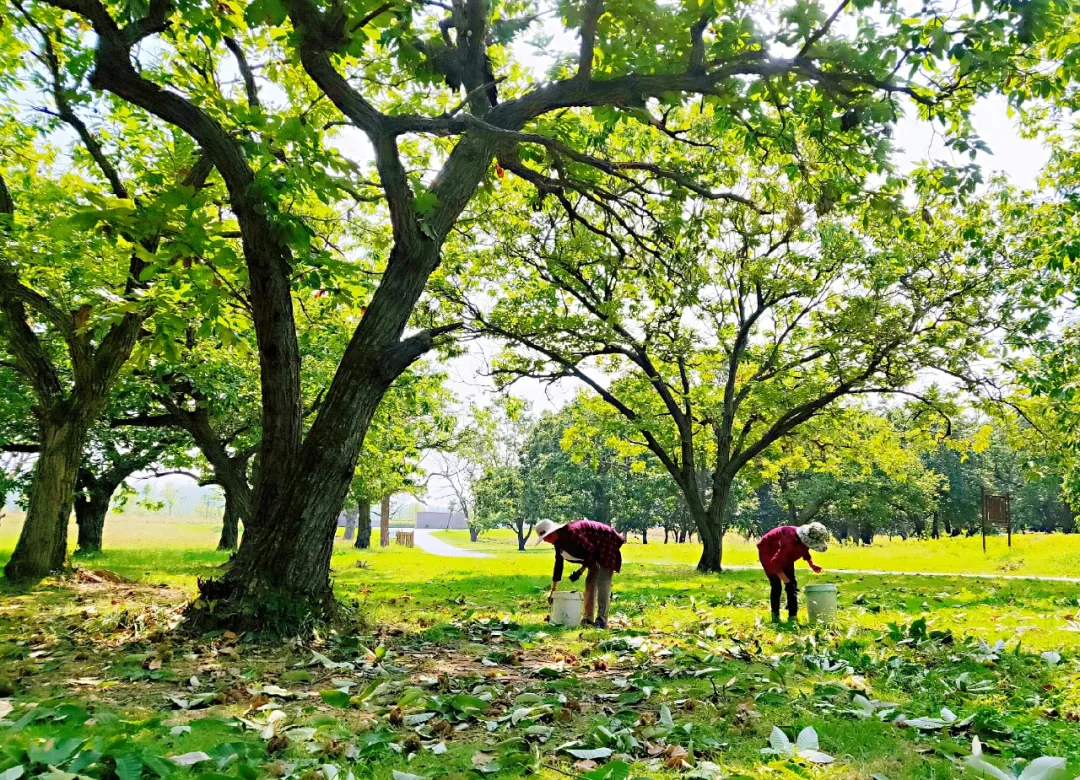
(426, 541)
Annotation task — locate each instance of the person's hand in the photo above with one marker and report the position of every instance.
(551, 598)
(815, 568)
(783, 577)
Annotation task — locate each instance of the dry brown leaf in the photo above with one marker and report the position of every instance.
(584, 765)
(675, 757)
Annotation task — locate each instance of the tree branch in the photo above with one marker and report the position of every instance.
(594, 9)
(246, 73)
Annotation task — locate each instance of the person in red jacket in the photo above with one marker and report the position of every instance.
(595, 547)
(778, 551)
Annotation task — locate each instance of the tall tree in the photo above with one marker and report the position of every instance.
(72, 301)
(844, 75)
(112, 457)
(755, 320)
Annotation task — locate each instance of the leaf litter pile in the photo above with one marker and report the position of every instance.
(96, 683)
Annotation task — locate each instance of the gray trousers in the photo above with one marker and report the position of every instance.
(597, 593)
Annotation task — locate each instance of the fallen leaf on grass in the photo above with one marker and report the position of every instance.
(806, 746)
(590, 753)
(482, 759)
(407, 776)
(189, 759)
(584, 765)
(675, 757)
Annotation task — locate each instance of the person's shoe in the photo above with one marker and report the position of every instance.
(775, 618)
(600, 623)
(793, 619)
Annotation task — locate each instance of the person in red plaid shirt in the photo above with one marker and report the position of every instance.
(778, 551)
(596, 547)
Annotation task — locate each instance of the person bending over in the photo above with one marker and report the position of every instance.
(596, 547)
(778, 551)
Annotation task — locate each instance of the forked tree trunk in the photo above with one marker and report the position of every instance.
(521, 536)
(474, 533)
(42, 545)
(363, 525)
(230, 525)
(91, 507)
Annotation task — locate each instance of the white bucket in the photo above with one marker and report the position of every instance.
(820, 603)
(566, 609)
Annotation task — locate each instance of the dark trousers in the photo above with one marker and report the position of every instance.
(792, 588)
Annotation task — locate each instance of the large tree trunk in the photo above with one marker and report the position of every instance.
(363, 525)
(42, 545)
(644, 535)
(935, 531)
(474, 533)
(710, 525)
(384, 522)
(230, 524)
(91, 507)
(521, 535)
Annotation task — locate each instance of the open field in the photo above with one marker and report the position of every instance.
(1056, 555)
(455, 654)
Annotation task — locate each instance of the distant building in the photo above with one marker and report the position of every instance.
(439, 520)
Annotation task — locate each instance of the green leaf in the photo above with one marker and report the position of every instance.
(129, 767)
(54, 753)
(335, 698)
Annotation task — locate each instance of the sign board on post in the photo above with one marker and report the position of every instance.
(996, 513)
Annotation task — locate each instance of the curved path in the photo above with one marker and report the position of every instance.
(426, 541)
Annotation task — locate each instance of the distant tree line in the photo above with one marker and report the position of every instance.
(861, 473)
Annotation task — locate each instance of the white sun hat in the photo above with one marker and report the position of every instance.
(545, 528)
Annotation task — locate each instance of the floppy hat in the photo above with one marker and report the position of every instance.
(815, 536)
(545, 528)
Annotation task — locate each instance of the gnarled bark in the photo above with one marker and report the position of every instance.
(91, 506)
(230, 524)
(42, 545)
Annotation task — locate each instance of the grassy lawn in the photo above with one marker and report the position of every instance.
(1056, 555)
(446, 668)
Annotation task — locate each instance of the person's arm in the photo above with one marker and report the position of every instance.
(813, 566)
(556, 575)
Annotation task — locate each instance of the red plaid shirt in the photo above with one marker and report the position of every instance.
(780, 548)
(588, 542)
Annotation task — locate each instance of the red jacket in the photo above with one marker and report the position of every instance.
(780, 548)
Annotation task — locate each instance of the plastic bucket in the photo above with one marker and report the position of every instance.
(566, 609)
(820, 603)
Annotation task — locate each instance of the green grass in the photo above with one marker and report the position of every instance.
(100, 659)
(1050, 555)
